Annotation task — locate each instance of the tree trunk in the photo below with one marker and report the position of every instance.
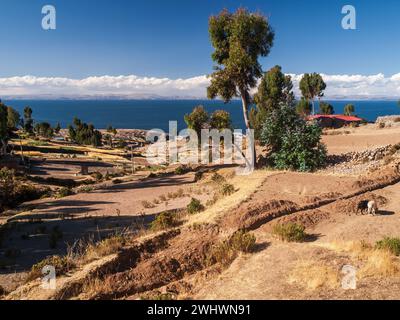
(245, 104)
(313, 109)
(3, 150)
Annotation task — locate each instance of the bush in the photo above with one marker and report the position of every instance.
(290, 232)
(164, 220)
(105, 247)
(61, 264)
(3, 291)
(64, 192)
(217, 178)
(242, 241)
(227, 189)
(294, 144)
(181, 170)
(97, 176)
(194, 206)
(390, 244)
(147, 204)
(8, 184)
(227, 251)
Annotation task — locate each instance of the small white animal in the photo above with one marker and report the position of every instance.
(372, 208)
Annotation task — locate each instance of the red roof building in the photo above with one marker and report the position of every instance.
(334, 120)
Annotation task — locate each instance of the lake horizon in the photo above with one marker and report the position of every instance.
(156, 113)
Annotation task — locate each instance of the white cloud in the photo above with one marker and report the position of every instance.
(131, 86)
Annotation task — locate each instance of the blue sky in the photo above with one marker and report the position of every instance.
(169, 38)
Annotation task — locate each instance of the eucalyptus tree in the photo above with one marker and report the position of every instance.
(349, 109)
(239, 39)
(312, 86)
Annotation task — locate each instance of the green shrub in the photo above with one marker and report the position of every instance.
(217, 178)
(64, 192)
(227, 189)
(97, 176)
(294, 144)
(242, 241)
(291, 232)
(390, 244)
(194, 206)
(86, 189)
(227, 251)
(164, 220)
(181, 170)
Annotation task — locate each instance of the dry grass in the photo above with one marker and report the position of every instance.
(245, 188)
(104, 248)
(314, 275)
(374, 262)
(96, 285)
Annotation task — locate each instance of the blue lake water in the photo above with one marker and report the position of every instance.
(149, 114)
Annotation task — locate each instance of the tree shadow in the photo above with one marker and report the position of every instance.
(258, 247)
(385, 213)
(312, 237)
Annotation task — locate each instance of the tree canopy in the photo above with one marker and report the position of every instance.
(239, 39)
(3, 129)
(303, 107)
(83, 133)
(200, 119)
(294, 144)
(312, 86)
(275, 89)
(349, 109)
(28, 121)
(326, 108)
(44, 130)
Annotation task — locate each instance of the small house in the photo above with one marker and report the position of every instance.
(334, 120)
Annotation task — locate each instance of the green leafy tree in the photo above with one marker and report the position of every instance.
(197, 119)
(13, 118)
(326, 108)
(303, 107)
(57, 128)
(349, 109)
(83, 133)
(8, 185)
(112, 130)
(44, 129)
(220, 120)
(275, 89)
(239, 39)
(312, 86)
(28, 121)
(4, 136)
(294, 144)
